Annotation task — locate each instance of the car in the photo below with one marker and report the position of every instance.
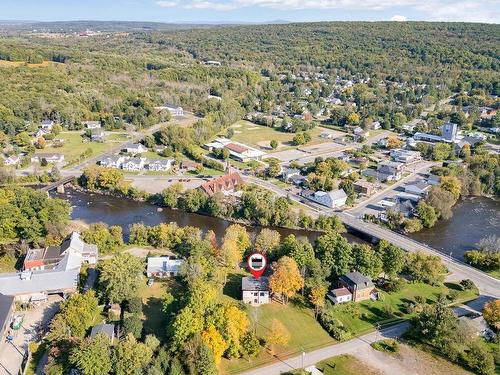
(151, 281)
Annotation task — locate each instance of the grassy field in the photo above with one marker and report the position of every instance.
(13, 64)
(368, 313)
(305, 331)
(345, 365)
(74, 146)
(258, 135)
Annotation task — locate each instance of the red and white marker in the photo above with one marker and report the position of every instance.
(256, 264)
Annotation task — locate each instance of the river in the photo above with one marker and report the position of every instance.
(473, 218)
(92, 208)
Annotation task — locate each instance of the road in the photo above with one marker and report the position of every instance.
(318, 355)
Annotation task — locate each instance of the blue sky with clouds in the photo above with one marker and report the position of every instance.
(220, 11)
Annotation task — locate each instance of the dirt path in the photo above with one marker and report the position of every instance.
(408, 361)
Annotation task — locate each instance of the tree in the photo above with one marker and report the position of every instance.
(278, 335)
(121, 277)
(41, 143)
(107, 239)
(366, 260)
(22, 139)
(393, 258)
(353, 119)
(274, 168)
(274, 144)
(267, 241)
(234, 244)
(80, 312)
(250, 344)
(317, 297)
(442, 201)
(491, 313)
(286, 279)
(451, 184)
(131, 357)
(235, 327)
(92, 356)
(215, 342)
(441, 151)
(425, 268)
(335, 253)
(132, 324)
(427, 214)
(393, 142)
(205, 362)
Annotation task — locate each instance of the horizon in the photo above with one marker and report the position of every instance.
(250, 11)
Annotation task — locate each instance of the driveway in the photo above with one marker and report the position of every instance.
(11, 355)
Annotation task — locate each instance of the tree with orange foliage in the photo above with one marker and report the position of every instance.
(286, 279)
(278, 335)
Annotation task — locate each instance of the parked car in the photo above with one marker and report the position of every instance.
(151, 281)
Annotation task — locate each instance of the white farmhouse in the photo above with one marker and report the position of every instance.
(332, 199)
(136, 148)
(134, 164)
(255, 291)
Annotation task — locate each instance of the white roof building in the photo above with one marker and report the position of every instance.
(237, 150)
(163, 267)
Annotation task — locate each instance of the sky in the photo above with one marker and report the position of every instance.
(224, 11)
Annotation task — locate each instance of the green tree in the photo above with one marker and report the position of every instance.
(274, 144)
(366, 260)
(335, 253)
(267, 241)
(427, 214)
(131, 357)
(132, 324)
(92, 356)
(121, 277)
(393, 258)
(80, 312)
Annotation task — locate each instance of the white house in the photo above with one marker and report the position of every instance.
(288, 173)
(48, 157)
(163, 267)
(376, 125)
(47, 124)
(405, 156)
(114, 161)
(340, 295)
(41, 133)
(255, 291)
(92, 124)
(175, 111)
(160, 165)
(389, 171)
(332, 199)
(134, 164)
(136, 148)
(97, 135)
(12, 160)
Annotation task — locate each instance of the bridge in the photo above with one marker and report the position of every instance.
(57, 185)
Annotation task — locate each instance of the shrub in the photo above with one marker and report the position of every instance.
(467, 284)
(134, 306)
(133, 324)
(387, 346)
(334, 326)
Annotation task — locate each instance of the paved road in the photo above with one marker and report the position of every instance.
(318, 355)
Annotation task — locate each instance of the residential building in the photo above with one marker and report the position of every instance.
(113, 161)
(237, 151)
(41, 133)
(360, 133)
(389, 171)
(12, 160)
(175, 111)
(189, 165)
(107, 329)
(97, 135)
(418, 188)
(47, 125)
(163, 267)
(288, 173)
(449, 132)
(92, 124)
(332, 199)
(376, 125)
(6, 310)
(433, 179)
(134, 164)
(160, 165)
(405, 156)
(48, 157)
(339, 295)
(225, 184)
(359, 285)
(364, 187)
(40, 259)
(136, 148)
(297, 180)
(255, 291)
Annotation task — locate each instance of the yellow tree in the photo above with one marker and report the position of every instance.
(236, 326)
(286, 279)
(393, 142)
(215, 342)
(451, 184)
(277, 335)
(317, 297)
(491, 313)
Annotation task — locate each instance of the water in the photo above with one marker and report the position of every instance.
(92, 208)
(473, 219)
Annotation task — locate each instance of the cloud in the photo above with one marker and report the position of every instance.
(399, 18)
(167, 3)
(428, 10)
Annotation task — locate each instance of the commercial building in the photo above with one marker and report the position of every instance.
(237, 151)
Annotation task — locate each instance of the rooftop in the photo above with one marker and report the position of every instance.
(250, 283)
(357, 279)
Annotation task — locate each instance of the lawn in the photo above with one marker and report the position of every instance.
(75, 145)
(306, 333)
(367, 313)
(259, 136)
(344, 365)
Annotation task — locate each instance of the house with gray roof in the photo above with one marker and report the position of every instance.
(255, 291)
(6, 311)
(359, 285)
(160, 165)
(332, 199)
(163, 267)
(107, 329)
